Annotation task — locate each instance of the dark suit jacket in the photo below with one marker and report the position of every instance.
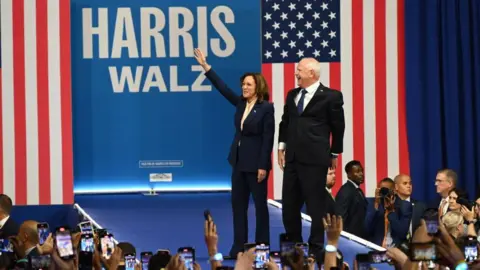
(256, 138)
(10, 228)
(418, 212)
(399, 222)
(308, 135)
(351, 205)
(329, 203)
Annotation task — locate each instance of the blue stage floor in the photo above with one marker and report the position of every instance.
(170, 221)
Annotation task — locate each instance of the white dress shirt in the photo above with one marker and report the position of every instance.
(308, 96)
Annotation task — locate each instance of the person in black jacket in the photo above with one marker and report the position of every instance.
(250, 152)
(350, 203)
(8, 227)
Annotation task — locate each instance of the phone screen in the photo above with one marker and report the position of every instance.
(363, 261)
(107, 245)
(188, 256)
(262, 256)
(378, 257)
(39, 262)
(5, 245)
(423, 252)
(129, 261)
(277, 258)
(471, 249)
(87, 243)
(63, 239)
(145, 259)
(43, 232)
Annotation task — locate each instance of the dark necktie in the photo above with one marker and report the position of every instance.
(300, 101)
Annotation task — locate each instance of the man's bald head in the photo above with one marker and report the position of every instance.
(308, 72)
(403, 186)
(28, 232)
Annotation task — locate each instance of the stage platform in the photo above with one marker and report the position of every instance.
(173, 220)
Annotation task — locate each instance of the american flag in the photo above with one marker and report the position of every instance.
(360, 44)
(36, 163)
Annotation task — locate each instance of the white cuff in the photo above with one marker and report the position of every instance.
(282, 146)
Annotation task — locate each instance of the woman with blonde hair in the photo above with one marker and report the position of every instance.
(250, 152)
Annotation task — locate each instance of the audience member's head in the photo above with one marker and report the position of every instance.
(403, 186)
(5, 206)
(159, 261)
(445, 181)
(453, 199)
(27, 238)
(331, 178)
(354, 170)
(453, 222)
(386, 183)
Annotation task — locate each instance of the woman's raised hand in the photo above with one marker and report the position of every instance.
(200, 57)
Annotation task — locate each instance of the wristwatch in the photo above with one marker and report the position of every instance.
(217, 257)
(330, 248)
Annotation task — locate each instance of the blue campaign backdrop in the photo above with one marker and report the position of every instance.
(151, 124)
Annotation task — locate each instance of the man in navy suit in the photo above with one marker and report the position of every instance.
(312, 114)
(250, 152)
(403, 188)
(388, 217)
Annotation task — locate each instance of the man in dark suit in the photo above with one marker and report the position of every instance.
(312, 113)
(388, 217)
(403, 188)
(350, 202)
(8, 227)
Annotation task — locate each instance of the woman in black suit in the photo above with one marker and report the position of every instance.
(250, 152)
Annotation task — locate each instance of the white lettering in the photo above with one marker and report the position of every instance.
(174, 87)
(222, 31)
(123, 23)
(176, 31)
(154, 79)
(89, 30)
(202, 34)
(197, 85)
(181, 23)
(118, 84)
(149, 31)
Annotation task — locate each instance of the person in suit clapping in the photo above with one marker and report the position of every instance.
(250, 151)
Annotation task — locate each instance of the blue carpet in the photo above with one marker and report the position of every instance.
(170, 221)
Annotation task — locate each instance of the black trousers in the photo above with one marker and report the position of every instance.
(304, 183)
(244, 184)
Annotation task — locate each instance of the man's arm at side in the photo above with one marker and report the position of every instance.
(342, 203)
(337, 122)
(283, 126)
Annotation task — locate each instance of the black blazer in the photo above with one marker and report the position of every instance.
(329, 203)
(251, 147)
(308, 135)
(419, 209)
(10, 228)
(351, 205)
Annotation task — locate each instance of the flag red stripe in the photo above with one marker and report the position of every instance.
(357, 83)
(403, 143)
(19, 103)
(1, 135)
(66, 105)
(267, 73)
(335, 83)
(43, 103)
(288, 78)
(381, 90)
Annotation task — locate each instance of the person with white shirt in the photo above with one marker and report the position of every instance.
(313, 113)
(445, 181)
(403, 189)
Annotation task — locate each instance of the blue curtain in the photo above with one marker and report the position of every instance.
(442, 48)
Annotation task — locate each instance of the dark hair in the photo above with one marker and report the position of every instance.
(387, 180)
(350, 164)
(5, 203)
(460, 193)
(261, 86)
